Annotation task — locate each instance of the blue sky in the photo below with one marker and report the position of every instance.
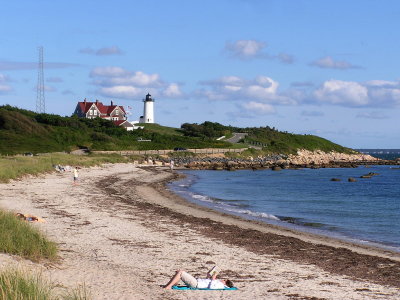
(329, 68)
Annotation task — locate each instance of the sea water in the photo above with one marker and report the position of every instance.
(366, 211)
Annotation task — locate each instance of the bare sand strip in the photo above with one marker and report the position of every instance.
(123, 234)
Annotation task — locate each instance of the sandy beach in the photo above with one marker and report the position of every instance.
(123, 234)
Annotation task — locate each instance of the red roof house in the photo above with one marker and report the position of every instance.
(91, 110)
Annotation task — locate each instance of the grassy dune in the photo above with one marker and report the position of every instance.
(21, 238)
(17, 166)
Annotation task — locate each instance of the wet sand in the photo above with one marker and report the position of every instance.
(123, 234)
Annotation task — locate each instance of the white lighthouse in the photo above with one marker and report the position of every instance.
(148, 110)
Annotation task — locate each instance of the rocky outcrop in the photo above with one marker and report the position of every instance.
(319, 157)
(303, 159)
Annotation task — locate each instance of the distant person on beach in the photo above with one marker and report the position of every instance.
(76, 175)
(210, 282)
(171, 165)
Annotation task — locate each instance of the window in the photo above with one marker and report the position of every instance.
(95, 112)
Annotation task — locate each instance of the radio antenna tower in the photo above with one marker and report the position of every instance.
(40, 101)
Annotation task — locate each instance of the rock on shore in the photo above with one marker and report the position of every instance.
(319, 157)
(303, 159)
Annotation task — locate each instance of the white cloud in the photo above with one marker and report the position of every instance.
(374, 93)
(108, 72)
(261, 88)
(384, 96)
(138, 78)
(329, 63)
(259, 108)
(245, 49)
(113, 50)
(342, 93)
(172, 91)
(382, 83)
(4, 88)
(124, 92)
(252, 49)
(117, 82)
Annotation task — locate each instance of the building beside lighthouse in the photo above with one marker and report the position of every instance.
(148, 110)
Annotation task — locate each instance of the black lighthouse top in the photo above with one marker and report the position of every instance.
(148, 98)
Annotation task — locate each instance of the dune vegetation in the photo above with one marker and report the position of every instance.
(13, 167)
(23, 285)
(21, 238)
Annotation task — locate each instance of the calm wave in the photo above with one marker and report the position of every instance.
(366, 211)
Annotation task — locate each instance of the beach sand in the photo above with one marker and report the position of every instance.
(122, 234)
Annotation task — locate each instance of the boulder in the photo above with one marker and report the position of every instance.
(335, 179)
(369, 175)
(351, 179)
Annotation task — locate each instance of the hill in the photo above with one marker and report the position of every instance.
(270, 140)
(26, 131)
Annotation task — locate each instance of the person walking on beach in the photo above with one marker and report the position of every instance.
(210, 282)
(171, 165)
(76, 175)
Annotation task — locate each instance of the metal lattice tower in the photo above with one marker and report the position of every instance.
(40, 100)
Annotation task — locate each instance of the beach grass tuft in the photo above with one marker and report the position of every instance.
(22, 285)
(17, 284)
(79, 293)
(21, 238)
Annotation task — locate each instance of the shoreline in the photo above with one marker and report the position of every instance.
(286, 226)
(286, 236)
(123, 234)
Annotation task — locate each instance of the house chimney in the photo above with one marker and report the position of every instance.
(84, 100)
(112, 103)
(97, 101)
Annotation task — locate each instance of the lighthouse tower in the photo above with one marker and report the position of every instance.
(148, 110)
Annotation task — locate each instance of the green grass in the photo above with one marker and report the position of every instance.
(16, 284)
(288, 143)
(161, 129)
(26, 131)
(13, 167)
(21, 238)
(20, 285)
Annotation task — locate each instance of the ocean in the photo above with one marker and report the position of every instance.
(366, 211)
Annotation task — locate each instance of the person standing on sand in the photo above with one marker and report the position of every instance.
(76, 175)
(171, 165)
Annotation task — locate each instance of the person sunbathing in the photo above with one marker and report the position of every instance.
(209, 283)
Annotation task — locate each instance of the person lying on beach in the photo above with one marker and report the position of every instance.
(189, 280)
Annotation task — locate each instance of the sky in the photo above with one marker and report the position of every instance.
(328, 68)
